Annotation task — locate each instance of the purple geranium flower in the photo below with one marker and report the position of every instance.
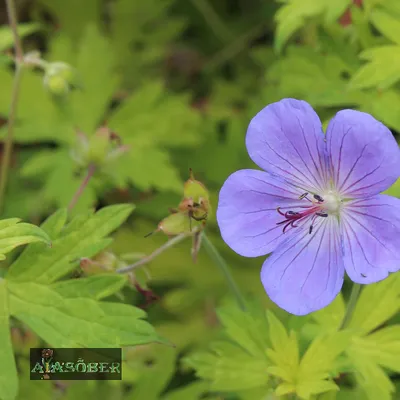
(317, 206)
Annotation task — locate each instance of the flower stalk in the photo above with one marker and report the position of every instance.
(172, 242)
(220, 262)
(351, 305)
(12, 20)
(8, 144)
(90, 172)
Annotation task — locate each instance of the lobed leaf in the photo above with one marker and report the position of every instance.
(78, 322)
(45, 266)
(7, 38)
(377, 303)
(382, 69)
(387, 24)
(94, 287)
(8, 370)
(14, 233)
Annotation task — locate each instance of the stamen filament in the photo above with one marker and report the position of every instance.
(292, 216)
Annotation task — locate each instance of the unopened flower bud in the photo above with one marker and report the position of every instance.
(98, 150)
(91, 267)
(191, 215)
(59, 78)
(108, 259)
(99, 145)
(56, 85)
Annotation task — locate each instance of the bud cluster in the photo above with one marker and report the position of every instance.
(59, 77)
(99, 149)
(191, 214)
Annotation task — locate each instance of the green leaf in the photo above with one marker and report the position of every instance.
(54, 224)
(39, 118)
(99, 80)
(381, 347)
(383, 106)
(387, 24)
(14, 234)
(392, 6)
(335, 9)
(94, 287)
(7, 38)
(370, 376)
(78, 322)
(72, 16)
(318, 362)
(284, 353)
(84, 231)
(136, 115)
(32, 390)
(321, 82)
(141, 39)
(292, 16)
(331, 316)
(8, 370)
(193, 391)
(149, 168)
(229, 367)
(377, 303)
(241, 362)
(246, 328)
(311, 375)
(382, 69)
(151, 382)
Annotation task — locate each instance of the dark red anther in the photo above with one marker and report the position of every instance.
(292, 216)
(318, 198)
(303, 195)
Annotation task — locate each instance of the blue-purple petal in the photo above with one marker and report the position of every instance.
(371, 238)
(247, 211)
(286, 139)
(364, 157)
(306, 272)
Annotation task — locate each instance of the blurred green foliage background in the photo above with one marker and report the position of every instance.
(178, 81)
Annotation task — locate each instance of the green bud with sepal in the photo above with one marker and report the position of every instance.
(59, 78)
(191, 215)
(99, 145)
(195, 190)
(98, 150)
(178, 223)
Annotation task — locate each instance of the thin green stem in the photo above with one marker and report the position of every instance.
(216, 256)
(145, 260)
(213, 20)
(355, 292)
(8, 144)
(90, 172)
(12, 20)
(233, 48)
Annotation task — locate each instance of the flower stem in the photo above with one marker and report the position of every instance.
(12, 20)
(355, 292)
(216, 256)
(212, 18)
(175, 240)
(90, 172)
(8, 145)
(233, 49)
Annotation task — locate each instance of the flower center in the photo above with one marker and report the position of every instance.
(331, 202)
(319, 206)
